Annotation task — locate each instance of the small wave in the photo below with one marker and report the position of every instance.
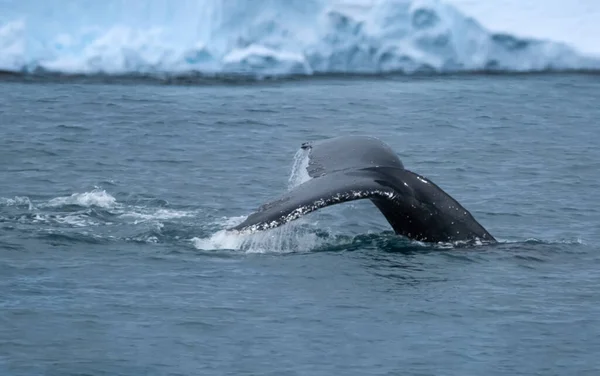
(76, 220)
(4, 245)
(68, 220)
(576, 241)
(17, 201)
(153, 236)
(63, 238)
(145, 214)
(96, 198)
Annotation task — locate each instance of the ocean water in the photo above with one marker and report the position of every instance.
(114, 197)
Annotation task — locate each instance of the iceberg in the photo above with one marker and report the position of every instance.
(265, 38)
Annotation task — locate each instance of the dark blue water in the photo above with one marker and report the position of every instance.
(114, 198)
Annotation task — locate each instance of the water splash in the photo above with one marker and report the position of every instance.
(299, 173)
(294, 236)
(297, 236)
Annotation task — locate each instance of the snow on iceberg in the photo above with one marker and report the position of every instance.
(264, 37)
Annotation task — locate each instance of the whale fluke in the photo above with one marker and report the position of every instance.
(352, 168)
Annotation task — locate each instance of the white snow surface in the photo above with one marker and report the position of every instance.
(282, 37)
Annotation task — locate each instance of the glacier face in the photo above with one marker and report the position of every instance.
(571, 22)
(263, 37)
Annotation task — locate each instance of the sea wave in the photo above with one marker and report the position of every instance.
(264, 38)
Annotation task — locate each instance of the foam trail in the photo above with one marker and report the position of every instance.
(265, 37)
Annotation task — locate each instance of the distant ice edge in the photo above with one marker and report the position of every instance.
(273, 38)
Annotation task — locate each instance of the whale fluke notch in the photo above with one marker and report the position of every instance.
(352, 168)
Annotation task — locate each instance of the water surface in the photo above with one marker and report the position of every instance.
(113, 199)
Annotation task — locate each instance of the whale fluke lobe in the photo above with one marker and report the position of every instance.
(352, 168)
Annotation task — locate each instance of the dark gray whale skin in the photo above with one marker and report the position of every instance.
(351, 168)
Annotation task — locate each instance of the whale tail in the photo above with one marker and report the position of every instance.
(315, 194)
(352, 168)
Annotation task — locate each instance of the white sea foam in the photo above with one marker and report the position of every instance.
(97, 198)
(290, 36)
